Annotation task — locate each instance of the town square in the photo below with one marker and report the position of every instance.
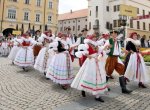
(74, 55)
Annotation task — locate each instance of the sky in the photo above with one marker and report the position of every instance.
(67, 5)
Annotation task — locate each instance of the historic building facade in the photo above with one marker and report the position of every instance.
(76, 20)
(27, 15)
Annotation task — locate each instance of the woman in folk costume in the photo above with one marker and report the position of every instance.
(44, 57)
(15, 49)
(25, 57)
(134, 63)
(5, 48)
(91, 76)
(1, 48)
(60, 69)
(103, 51)
(113, 61)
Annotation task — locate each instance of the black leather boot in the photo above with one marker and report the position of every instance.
(141, 85)
(107, 78)
(83, 93)
(123, 85)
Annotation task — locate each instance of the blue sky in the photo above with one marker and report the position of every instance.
(67, 5)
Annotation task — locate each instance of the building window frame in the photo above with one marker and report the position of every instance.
(37, 17)
(50, 4)
(12, 13)
(26, 16)
(27, 1)
(49, 19)
(38, 3)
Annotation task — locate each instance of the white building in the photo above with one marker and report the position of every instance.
(76, 20)
(103, 15)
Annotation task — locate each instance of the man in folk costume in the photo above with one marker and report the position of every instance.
(80, 40)
(113, 61)
(134, 63)
(44, 57)
(38, 34)
(91, 76)
(72, 41)
(25, 57)
(60, 69)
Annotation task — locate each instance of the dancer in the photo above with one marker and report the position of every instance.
(113, 61)
(25, 57)
(91, 76)
(134, 63)
(5, 48)
(44, 57)
(15, 49)
(60, 69)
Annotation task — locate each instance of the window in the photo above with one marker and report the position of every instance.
(107, 25)
(85, 26)
(11, 13)
(96, 11)
(138, 11)
(73, 28)
(78, 27)
(49, 18)
(89, 25)
(13, 0)
(26, 1)
(118, 7)
(144, 28)
(50, 5)
(61, 28)
(143, 12)
(115, 23)
(73, 21)
(37, 17)
(107, 8)
(85, 19)
(111, 26)
(78, 20)
(69, 22)
(90, 13)
(149, 27)
(26, 16)
(138, 25)
(131, 23)
(115, 8)
(119, 23)
(38, 2)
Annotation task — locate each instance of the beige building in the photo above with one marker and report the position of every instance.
(76, 20)
(28, 15)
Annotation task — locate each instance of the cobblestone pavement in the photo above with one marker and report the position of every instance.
(31, 91)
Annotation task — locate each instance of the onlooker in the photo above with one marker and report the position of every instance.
(143, 41)
(148, 41)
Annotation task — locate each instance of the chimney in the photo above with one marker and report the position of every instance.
(70, 11)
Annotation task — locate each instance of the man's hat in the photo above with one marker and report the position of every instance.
(114, 31)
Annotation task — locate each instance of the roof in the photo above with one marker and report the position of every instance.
(73, 14)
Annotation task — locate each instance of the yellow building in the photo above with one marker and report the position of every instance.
(28, 15)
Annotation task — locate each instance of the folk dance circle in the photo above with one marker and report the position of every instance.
(53, 56)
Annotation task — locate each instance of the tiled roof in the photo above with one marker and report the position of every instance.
(73, 14)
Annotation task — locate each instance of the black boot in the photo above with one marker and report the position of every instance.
(99, 99)
(107, 78)
(123, 85)
(141, 85)
(83, 93)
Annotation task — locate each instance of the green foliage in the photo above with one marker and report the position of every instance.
(147, 58)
